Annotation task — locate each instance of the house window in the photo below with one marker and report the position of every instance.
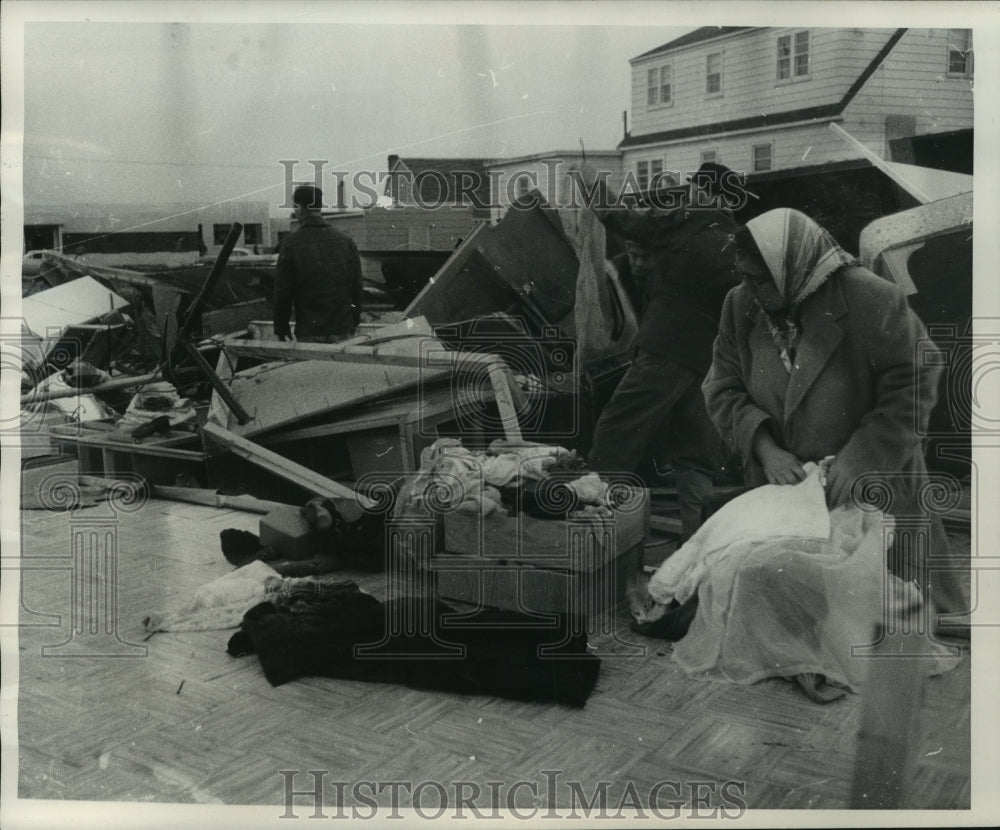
(793, 55)
(709, 157)
(761, 157)
(642, 174)
(659, 86)
(713, 73)
(219, 234)
(960, 51)
(253, 234)
(656, 174)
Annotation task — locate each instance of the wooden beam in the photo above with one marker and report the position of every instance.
(218, 385)
(290, 471)
(505, 399)
(211, 498)
(878, 162)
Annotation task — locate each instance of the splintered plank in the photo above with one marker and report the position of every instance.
(290, 471)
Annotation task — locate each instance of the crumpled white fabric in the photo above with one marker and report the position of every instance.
(220, 603)
(769, 512)
(794, 607)
(468, 480)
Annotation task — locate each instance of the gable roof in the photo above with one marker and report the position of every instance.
(815, 113)
(433, 174)
(697, 36)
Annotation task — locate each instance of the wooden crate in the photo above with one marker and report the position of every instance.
(523, 536)
(517, 585)
(103, 451)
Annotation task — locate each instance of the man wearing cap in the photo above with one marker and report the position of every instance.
(319, 273)
(658, 412)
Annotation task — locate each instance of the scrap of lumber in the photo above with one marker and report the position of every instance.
(114, 385)
(444, 281)
(277, 395)
(290, 471)
(880, 163)
(212, 498)
(494, 366)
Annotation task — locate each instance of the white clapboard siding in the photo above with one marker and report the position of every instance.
(749, 83)
(911, 81)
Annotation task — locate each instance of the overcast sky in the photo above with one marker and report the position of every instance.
(167, 112)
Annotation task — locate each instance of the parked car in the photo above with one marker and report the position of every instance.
(32, 262)
(242, 256)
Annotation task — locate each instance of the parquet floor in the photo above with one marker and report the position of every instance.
(187, 723)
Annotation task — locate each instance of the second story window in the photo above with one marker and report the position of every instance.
(659, 86)
(793, 56)
(713, 74)
(642, 174)
(761, 157)
(960, 51)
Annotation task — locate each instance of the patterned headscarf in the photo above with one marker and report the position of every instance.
(800, 256)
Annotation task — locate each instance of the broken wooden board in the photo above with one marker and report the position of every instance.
(279, 394)
(423, 364)
(465, 287)
(350, 503)
(212, 498)
(529, 253)
(50, 313)
(524, 264)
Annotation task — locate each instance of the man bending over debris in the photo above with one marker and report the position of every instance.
(686, 266)
(319, 272)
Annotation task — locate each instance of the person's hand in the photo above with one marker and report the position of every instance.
(780, 466)
(839, 481)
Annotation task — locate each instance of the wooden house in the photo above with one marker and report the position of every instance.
(761, 99)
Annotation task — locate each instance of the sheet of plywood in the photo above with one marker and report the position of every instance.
(318, 378)
(279, 394)
(49, 313)
(465, 287)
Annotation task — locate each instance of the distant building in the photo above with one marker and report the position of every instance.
(437, 182)
(761, 99)
(551, 174)
(141, 235)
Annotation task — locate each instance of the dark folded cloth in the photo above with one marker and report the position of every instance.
(674, 623)
(411, 641)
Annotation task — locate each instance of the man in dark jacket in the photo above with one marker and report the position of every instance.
(319, 272)
(658, 411)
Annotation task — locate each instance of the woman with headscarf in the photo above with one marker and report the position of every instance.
(816, 356)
